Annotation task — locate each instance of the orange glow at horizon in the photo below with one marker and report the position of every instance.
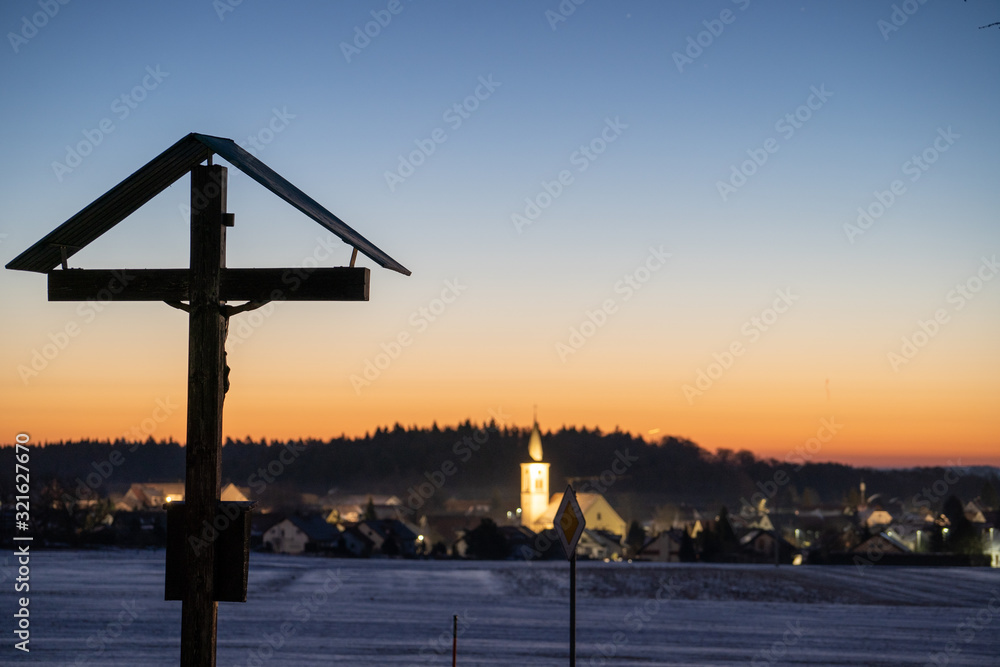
(775, 420)
(293, 378)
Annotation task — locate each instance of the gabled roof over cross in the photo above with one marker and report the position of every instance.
(160, 173)
(207, 285)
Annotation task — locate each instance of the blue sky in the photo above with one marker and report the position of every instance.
(346, 122)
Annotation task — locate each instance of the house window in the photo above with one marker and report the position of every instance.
(538, 483)
(598, 516)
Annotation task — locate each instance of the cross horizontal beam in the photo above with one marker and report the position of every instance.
(298, 284)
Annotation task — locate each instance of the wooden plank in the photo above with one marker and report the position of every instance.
(119, 285)
(300, 284)
(279, 185)
(232, 551)
(113, 206)
(297, 284)
(203, 449)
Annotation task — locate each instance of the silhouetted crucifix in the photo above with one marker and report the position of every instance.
(206, 286)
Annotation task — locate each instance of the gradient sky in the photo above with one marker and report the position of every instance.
(679, 128)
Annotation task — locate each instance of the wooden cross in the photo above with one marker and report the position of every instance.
(207, 286)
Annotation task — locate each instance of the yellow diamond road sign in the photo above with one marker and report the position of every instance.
(569, 521)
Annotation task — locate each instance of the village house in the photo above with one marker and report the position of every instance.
(442, 532)
(974, 513)
(353, 542)
(389, 537)
(153, 495)
(874, 517)
(664, 548)
(352, 508)
(520, 542)
(759, 546)
(599, 545)
(150, 496)
(685, 518)
(881, 544)
(298, 534)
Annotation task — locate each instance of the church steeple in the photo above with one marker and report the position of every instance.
(534, 480)
(535, 443)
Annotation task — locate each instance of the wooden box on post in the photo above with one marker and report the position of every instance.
(231, 534)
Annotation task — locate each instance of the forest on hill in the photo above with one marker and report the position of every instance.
(482, 461)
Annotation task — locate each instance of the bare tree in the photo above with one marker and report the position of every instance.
(989, 25)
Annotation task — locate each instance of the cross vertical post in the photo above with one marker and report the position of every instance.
(203, 451)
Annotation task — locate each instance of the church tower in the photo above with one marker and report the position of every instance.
(534, 482)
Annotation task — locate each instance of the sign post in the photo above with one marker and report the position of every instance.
(569, 527)
(572, 610)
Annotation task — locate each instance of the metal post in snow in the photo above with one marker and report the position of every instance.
(572, 609)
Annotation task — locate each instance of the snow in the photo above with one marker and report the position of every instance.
(107, 608)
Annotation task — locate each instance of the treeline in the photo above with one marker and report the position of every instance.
(482, 461)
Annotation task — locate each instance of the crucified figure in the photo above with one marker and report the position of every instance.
(227, 312)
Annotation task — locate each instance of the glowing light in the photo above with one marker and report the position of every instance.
(535, 444)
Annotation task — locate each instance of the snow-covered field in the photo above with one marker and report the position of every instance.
(107, 608)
